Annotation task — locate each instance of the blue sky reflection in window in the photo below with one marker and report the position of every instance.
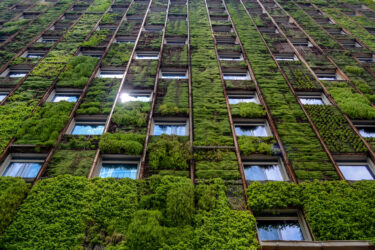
(23, 169)
(170, 129)
(119, 171)
(86, 129)
(251, 130)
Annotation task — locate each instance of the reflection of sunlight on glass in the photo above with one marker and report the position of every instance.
(125, 97)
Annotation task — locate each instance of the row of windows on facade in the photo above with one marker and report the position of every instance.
(29, 165)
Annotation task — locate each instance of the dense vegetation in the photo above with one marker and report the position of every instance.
(74, 212)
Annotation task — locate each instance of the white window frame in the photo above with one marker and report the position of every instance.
(22, 157)
(170, 123)
(283, 215)
(264, 162)
(116, 159)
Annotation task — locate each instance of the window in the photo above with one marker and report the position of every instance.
(264, 171)
(67, 95)
(350, 43)
(230, 56)
(67, 98)
(2, 96)
(249, 98)
(286, 57)
(302, 43)
(95, 54)
(175, 40)
(153, 28)
(22, 165)
(48, 39)
(313, 99)
(33, 54)
(226, 40)
(367, 131)
(280, 229)
(355, 171)
(111, 74)
(170, 128)
(87, 125)
(237, 76)
(88, 129)
(174, 74)
(136, 96)
(121, 39)
(17, 73)
(118, 170)
(252, 129)
(327, 76)
(366, 58)
(147, 55)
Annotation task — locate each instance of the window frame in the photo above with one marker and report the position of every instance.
(357, 162)
(117, 159)
(313, 95)
(23, 157)
(264, 161)
(148, 93)
(171, 121)
(283, 215)
(254, 123)
(232, 76)
(115, 73)
(174, 72)
(148, 55)
(67, 92)
(242, 95)
(86, 120)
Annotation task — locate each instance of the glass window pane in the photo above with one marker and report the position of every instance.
(236, 77)
(23, 169)
(88, 129)
(236, 100)
(273, 172)
(110, 75)
(174, 75)
(356, 173)
(254, 173)
(125, 97)
(268, 230)
(2, 96)
(290, 230)
(257, 130)
(311, 101)
(170, 130)
(67, 98)
(367, 131)
(119, 171)
(16, 74)
(34, 55)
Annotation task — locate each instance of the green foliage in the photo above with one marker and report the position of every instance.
(74, 162)
(100, 97)
(335, 210)
(131, 116)
(355, 105)
(175, 100)
(124, 143)
(167, 152)
(43, 128)
(250, 110)
(12, 192)
(261, 145)
(335, 130)
(118, 54)
(77, 72)
(180, 204)
(96, 39)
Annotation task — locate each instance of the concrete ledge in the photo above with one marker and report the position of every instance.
(334, 245)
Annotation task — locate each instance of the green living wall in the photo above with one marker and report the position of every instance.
(160, 213)
(335, 210)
